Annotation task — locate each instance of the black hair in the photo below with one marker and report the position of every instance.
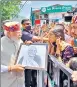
(59, 33)
(24, 20)
(59, 26)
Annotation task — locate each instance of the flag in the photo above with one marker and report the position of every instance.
(37, 21)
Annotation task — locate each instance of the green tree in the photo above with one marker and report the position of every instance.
(9, 8)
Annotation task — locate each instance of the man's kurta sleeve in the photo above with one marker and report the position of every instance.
(4, 68)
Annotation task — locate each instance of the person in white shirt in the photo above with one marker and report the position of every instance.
(12, 74)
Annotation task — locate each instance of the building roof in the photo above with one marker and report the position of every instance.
(36, 11)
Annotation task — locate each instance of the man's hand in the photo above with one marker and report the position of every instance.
(58, 41)
(74, 76)
(28, 42)
(16, 68)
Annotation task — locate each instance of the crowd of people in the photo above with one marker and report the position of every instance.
(62, 43)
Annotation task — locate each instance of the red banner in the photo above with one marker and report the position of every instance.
(37, 21)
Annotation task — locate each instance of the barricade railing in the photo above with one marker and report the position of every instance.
(61, 66)
(57, 66)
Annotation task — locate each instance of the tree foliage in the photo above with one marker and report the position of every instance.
(9, 8)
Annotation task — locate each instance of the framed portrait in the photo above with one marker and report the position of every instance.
(33, 56)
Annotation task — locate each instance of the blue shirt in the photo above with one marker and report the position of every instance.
(26, 36)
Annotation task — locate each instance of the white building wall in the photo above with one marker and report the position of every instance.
(55, 15)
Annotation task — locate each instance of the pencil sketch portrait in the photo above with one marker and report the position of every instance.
(32, 56)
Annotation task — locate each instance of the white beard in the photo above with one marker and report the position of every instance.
(17, 41)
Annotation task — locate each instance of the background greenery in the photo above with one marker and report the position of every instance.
(9, 8)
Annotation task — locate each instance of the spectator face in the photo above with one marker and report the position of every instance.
(59, 33)
(73, 30)
(51, 37)
(26, 23)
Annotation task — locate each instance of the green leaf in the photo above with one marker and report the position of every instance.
(9, 8)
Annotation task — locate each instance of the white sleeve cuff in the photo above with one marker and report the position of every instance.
(4, 68)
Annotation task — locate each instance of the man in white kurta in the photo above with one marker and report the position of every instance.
(12, 75)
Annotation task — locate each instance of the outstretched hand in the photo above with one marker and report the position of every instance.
(58, 41)
(28, 42)
(16, 68)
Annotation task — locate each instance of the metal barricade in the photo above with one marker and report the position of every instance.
(57, 66)
(61, 66)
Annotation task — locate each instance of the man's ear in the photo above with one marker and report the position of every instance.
(22, 25)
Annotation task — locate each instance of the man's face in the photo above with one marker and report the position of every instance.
(73, 30)
(32, 51)
(16, 35)
(26, 23)
(52, 38)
